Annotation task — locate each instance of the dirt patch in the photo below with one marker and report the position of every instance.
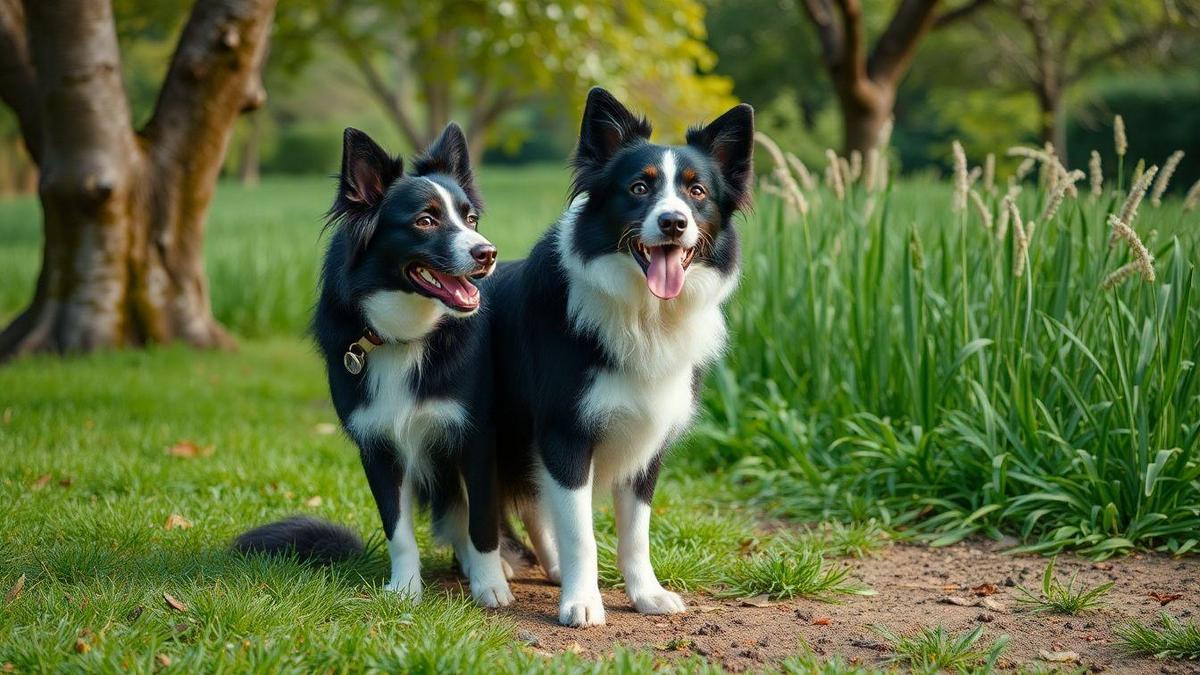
(913, 584)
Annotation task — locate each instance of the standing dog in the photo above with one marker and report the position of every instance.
(408, 364)
(604, 335)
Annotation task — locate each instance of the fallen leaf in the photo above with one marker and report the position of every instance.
(1164, 598)
(822, 621)
(66, 482)
(992, 605)
(177, 522)
(82, 647)
(705, 609)
(134, 614)
(189, 450)
(175, 604)
(757, 601)
(955, 600)
(1058, 657)
(313, 502)
(163, 660)
(41, 481)
(8, 667)
(16, 590)
(325, 429)
(984, 590)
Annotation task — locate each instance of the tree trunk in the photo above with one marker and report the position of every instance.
(123, 212)
(864, 114)
(1053, 119)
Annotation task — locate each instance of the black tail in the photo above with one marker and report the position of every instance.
(309, 539)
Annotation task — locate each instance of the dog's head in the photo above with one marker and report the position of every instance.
(412, 233)
(667, 207)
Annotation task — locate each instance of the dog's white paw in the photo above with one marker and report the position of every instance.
(492, 595)
(582, 612)
(408, 586)
(658, 601)
(508, 570)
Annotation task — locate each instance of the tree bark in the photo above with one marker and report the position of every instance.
(123, 211)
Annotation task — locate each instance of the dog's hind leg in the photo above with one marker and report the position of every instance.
(542, 539)
(394, 499)
(631, 503)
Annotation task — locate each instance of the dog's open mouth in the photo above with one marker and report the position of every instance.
(665, 266)
(457, 293)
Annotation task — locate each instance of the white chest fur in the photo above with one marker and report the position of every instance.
(395, 412)
(645, 400)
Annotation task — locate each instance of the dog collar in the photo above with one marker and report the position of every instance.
(355, 358)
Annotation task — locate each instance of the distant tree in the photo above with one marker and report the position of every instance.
(866, 83)
(1065, 41)
(427, 61)
(124, 209)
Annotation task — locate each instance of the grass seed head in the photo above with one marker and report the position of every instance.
(989, 173)
(833, 174)
(985, 216)
(1097, 174)
(1120, 143)
(961, 182)
(801, 170)
(856, 165)
(1164, 177)
(1117, 277)
(1193, 198)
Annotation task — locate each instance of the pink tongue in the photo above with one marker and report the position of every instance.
(665, 274)
(457, 289)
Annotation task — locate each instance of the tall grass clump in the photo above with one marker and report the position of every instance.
(896, 358)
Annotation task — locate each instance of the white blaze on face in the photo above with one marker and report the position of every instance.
(465, 238)
(669, 201)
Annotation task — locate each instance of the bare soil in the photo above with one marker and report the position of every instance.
(914, 585)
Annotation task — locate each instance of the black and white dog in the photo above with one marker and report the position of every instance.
(603, 336)
(408, 364)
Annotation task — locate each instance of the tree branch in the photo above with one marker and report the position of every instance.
(18, 80)
(898, 43)
(1131, 43)
(376, 84)
(959, 13)
(829, 32)
(213, 77)
(854, 52)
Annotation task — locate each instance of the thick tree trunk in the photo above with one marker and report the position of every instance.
(864, 114)
(1053, 119)
(124, 212)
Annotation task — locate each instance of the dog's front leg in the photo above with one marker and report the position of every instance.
(394, 499)
(631, 501)
(566, 496)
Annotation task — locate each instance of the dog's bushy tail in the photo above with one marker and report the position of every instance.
(309, 539)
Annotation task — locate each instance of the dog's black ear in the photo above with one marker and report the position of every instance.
(450, 155)
(607, 127)
(729, 140)
(367, 171)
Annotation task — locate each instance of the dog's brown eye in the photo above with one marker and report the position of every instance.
(425, 221)
(473, 220)
(697, 191)
(639, 188)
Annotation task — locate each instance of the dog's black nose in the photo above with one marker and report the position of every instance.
(672, 223)
(484, 254)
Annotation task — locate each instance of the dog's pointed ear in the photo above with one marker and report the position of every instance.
(367, 171)
(729, 140)
(451, 155)
(607, 127)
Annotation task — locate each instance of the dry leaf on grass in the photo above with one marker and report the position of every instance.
(16, 590)
(1058, 657)
(313, 501)
(82, 647)
(1164, 598)
(175, 604)
(177, 522)
(757, 601)
(325, 429)
(134, 614)
(163, 660)
(991, 604)
(822, 621)
(189, 450)
(41, 481)
(984, 590)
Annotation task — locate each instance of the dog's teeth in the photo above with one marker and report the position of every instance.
(428, 277)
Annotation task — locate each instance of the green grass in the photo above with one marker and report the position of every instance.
(934, 650)
(1171, 639)
(789, 572)
(1061, 598)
